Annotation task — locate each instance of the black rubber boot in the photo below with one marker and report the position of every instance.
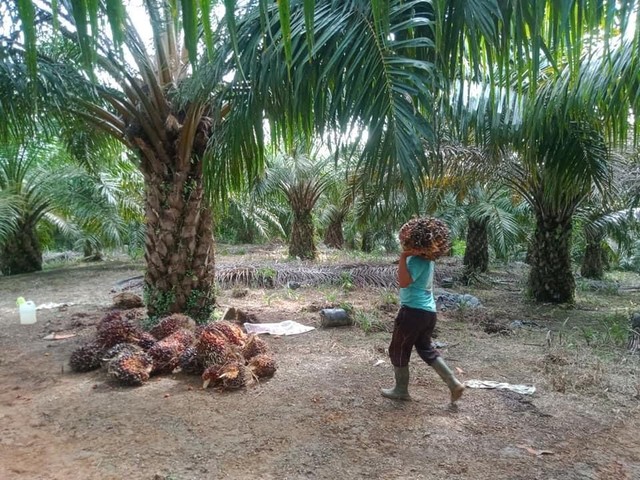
(401, 389)
(456, 388)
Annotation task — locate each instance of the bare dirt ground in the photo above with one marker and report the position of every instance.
(321, 416)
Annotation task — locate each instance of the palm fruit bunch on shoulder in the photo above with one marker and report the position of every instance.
(166, 352)
(171, 324)
(212, 348)
(86, 357)
(233, 375)
(231, 331)
(262, 365)
(130, 367)
(116, 350)
(254, 346)
(188, 361)
(117, 329)
(426, 236)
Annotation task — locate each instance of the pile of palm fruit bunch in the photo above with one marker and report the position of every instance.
(426, 236)
(220, 352)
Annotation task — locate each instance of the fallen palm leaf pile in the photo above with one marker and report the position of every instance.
(220, 352)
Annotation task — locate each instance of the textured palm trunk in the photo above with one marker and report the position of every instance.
(593, 260)
(333, 236)
(366, 245)
(179, 246)
(302, 244)
(476, 255)
(21, 253)
(551, 277)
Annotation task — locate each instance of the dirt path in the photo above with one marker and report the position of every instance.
(320, 417)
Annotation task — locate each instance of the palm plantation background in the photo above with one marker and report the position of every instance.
(327, 121)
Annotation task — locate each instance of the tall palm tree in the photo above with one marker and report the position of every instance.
(189, 129)
(315, 66)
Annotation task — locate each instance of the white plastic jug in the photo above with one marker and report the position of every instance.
(27, 313)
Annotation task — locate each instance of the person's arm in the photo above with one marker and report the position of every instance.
(404, 277)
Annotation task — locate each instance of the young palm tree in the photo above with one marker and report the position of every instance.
(492, 220)
(41, 185)
(301, 178)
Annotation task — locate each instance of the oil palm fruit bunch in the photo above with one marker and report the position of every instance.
(146, 340)
(233, 375)
(212, 348)
(86, 357)
(166, 352)
(262, 366)
(188, 361)
(231, 331)
(130, 367)
(171, 324)
(426, 236)
(211, 375)
(254, 346)
(116, 350)
(117, 330)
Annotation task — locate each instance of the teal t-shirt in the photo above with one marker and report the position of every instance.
(420, 293)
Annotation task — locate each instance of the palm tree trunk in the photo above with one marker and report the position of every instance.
(302, 244)
(476, 255)
(366, 245)
(21, 253)
(333, 236)
(179, 245)
(551, 277)
(593, 260)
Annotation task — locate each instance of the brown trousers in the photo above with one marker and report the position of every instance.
(413, 327)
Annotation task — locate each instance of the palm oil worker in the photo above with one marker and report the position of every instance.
(414, 326)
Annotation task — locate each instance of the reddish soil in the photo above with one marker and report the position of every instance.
(321, 416)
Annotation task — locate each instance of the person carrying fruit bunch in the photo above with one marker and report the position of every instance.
(423, 240)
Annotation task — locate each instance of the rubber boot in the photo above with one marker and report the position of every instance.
(401, 389)
(447, 375)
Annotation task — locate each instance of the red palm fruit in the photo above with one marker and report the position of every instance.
(130, 367)
(210, 375)
(166, 352)
(146, 341)
(262, 366)
(116, 350)
(231, 331)
(233, 376)
(212, 348)
(188, 361)
(117, 330)
(425, 236)
(171, 324)
(254, 346)
(86, 358)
